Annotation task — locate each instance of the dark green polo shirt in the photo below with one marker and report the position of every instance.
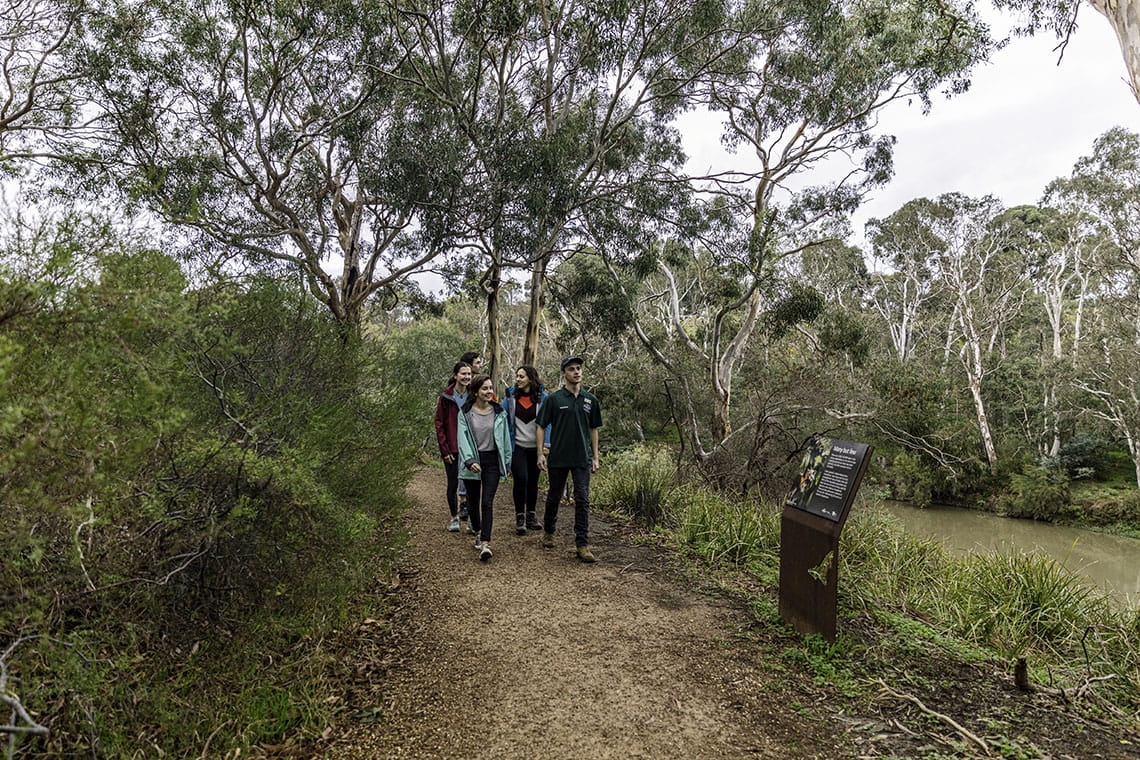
(570, 420)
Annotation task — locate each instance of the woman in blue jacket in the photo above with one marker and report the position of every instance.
(484, 456)
(522, 402)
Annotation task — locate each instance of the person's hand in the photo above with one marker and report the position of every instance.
(542, 461)
(449, 458)
(595, 465)
(476, 468)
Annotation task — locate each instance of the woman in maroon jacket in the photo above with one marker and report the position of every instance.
(446, 428)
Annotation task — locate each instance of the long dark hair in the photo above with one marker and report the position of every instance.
(535, 388)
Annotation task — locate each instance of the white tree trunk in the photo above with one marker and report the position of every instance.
(1124, 15)
(974, 374)
(1135, 451)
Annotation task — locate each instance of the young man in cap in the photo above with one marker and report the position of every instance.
(573, 417)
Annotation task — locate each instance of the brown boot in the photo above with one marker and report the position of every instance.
(585, 555)
(547, 540)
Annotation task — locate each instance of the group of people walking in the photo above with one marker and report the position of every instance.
(483, 440)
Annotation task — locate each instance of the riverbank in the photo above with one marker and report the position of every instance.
(911, 594)
(1110, 561)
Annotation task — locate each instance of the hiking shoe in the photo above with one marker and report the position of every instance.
(485, 552)
(532, 522)
(463, 510)
(520, 525)
(453, 526)
(585, 555)
(547, 540)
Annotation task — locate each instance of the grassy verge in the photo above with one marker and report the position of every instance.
(912, 612)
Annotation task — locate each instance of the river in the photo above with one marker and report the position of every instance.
(1111, 562)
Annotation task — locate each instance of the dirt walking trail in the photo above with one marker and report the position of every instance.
(536, 655)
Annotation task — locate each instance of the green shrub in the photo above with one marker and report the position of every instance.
(912, 479)
(1035, 493)
(1113, 508)
(419, 358)
(194, 484)
(1081, 456)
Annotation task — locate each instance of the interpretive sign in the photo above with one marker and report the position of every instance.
(829, 476)
(814, 514)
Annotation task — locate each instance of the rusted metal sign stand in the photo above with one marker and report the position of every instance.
(814, 514)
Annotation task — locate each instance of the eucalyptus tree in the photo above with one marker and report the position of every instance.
(38, 99)
(563, 105)
(273, 134)
(815, 77)
(1105, 187)
(1109, 373)
(906, 251)
(982, 280)
(1062, 248)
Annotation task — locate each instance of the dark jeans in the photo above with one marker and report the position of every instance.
(524, 469)
(557, 484)
(481, 495)
(452, 471)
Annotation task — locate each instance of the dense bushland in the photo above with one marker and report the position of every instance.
(996, 606)
(195, 482)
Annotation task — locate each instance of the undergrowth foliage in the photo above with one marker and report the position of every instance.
(193, 482)
(1008, 605)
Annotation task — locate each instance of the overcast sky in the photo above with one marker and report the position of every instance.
(1024, 122)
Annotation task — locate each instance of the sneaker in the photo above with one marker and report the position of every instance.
(478, 545)
(485, 552)
(471, 529)
(547, 540)
(453, 526)
(585, 555)
(463, 510)
(520, 525)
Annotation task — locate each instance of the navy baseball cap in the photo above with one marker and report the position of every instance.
(571, 360)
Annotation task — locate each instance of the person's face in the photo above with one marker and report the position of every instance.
(463, 377)
(487, 391)
(522, 380)
(573, 373)
(477, 364)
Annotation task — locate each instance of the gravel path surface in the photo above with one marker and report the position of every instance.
(536, 655)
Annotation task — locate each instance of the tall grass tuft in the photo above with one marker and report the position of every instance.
(725, 531)
(641, 482)
(881, 564)
(1020, 602)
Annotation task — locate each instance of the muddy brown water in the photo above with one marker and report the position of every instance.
(1110, 562)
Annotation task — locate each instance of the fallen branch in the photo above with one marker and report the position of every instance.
(12, 701)
(18, 711)
(966, 733)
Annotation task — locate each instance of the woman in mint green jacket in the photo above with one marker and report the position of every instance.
(484, 457)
